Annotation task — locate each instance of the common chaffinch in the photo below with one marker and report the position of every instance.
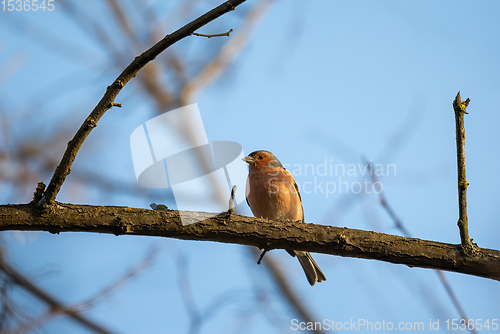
(272, 193)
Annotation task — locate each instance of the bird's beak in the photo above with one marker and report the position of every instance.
(249, 160)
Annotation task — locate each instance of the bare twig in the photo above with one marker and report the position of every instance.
(200, 314)
(186, 290)
(213, 69)
(122, 19)
(289, 294)
(145, 264)
(63, 169)
(213, 35)
(454, 299)
(460, 109)
(262, 255)
(55, 310)
(399, 224)
(54, 304)
(231, 200)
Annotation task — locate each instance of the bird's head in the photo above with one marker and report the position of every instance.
(262, 159)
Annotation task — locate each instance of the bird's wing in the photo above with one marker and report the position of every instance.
(297, 190)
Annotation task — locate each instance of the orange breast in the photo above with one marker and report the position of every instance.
(272, 194)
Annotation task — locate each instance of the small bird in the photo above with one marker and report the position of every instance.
(272, 193)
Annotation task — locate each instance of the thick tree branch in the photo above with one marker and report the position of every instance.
(254, 232)
(107, 101)
(460, 109)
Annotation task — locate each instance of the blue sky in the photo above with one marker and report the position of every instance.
(341, 81)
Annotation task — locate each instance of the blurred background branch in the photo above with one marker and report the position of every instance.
(269, 85)
(54, 305)
(171, 81)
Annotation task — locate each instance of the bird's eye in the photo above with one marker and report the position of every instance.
(261, 157)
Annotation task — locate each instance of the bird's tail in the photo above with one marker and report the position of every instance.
(311, 268)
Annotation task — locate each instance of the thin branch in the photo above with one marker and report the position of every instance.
(454, 299)
(214, 35)
(231, 200)
(54, 304)
(460, 109)
(185, 288)
(146, 263)
(385, 203)
(56, 310)
(63, 169)
(288, 292)
(399, 224)
(227, 54)
(122, 19)
(261, 233)
(262, 255)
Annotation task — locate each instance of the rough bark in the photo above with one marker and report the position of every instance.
(460, 109)
(253, 232)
